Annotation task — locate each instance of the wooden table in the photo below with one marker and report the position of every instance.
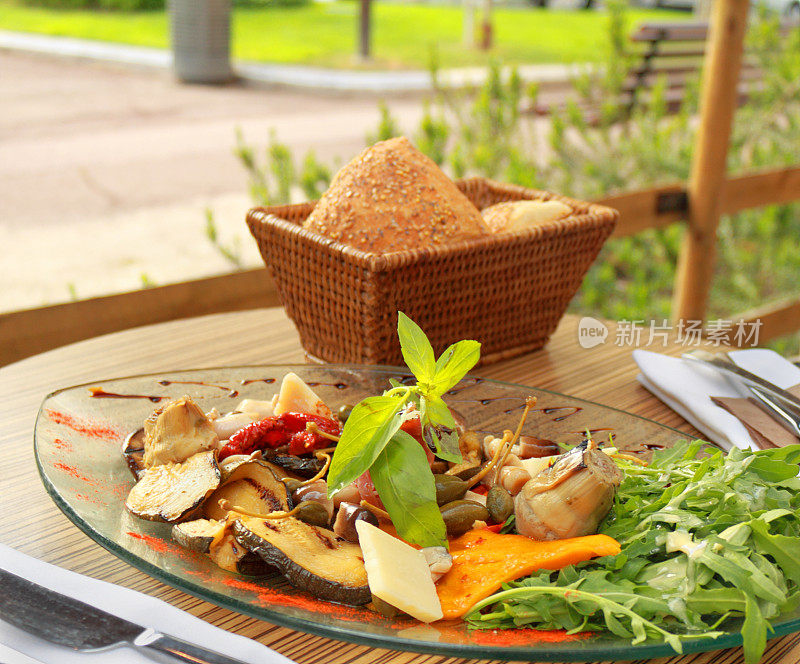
(30, 522)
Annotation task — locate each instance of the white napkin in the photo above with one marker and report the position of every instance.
(125, 603)
(687, 388)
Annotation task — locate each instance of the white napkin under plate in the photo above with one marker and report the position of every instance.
(125, 603)
(687, 388)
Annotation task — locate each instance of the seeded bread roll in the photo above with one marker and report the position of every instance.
(392, 197)
(518, 215)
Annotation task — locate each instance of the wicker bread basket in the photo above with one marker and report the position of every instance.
(507, 291)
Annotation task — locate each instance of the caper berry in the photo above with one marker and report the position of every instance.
(449, 488)
(313, 513)
(468, 473)
(499, 503)
(461, 514)
(344, 412)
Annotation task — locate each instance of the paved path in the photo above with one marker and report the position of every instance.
(295, 76)
(106, 170)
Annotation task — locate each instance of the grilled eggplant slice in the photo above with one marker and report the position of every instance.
(198, 535)
(176, 432)
(133, 451)
(301, 466)
(252, 485)
(311, 558)
(173, 492)
(233, 557)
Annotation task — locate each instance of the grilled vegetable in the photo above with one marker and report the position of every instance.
(173, 492)
(311, 558)
(570, 497)
(302, 466)
(233, 557)
(198, 535)
(253, 486)
(176, 432)
(133, 451)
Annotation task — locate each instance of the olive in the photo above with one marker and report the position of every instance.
(461, 514)
(449, 488)
(312, 513)
(292, 484)
(344, 412)
(345, 524)
(499, 503)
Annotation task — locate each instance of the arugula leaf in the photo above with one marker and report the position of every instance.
(371, 425)
(741, 511)
(404, 482)
(417, 350)
(454, 364)
(754, 631)
(439, 429)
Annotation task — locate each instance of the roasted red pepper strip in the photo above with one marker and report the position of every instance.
(287, 429)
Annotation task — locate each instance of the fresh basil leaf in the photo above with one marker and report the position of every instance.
(404, 482)
(417, 350)
(371, 425)
(454, 364)
(439, 429)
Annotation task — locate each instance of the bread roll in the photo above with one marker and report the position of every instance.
(518, 215)
(392, 197)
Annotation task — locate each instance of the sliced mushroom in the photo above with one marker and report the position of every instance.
(176, 432)
(173, 492)
(346, 518)
(311, 558)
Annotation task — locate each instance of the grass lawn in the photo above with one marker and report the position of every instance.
(325, 34)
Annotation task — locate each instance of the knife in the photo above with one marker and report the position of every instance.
(69, 622)
(787, 400)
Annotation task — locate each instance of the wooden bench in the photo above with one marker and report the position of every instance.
(672, 52)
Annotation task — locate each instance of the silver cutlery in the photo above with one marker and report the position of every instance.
(69, 622)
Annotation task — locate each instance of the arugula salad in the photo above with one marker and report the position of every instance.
(396, 504)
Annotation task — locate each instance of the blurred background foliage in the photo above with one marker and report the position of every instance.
(484, 132)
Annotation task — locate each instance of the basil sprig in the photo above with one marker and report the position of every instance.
(372, 439)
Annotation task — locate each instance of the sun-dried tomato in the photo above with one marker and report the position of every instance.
(277, 431)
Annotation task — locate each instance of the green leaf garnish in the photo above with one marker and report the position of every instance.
(454, 364)
(370, 427)
(372, 440)
(404, 482)
(417, 350)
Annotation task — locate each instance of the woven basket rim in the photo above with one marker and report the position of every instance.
(591, 214)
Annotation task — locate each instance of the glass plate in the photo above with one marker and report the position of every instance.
(78, 439)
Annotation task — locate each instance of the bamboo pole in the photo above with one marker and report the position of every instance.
(717, 106)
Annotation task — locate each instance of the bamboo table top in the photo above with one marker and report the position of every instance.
(30, 522)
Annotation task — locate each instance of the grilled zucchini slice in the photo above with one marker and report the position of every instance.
(311, 558)
(252, 485)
